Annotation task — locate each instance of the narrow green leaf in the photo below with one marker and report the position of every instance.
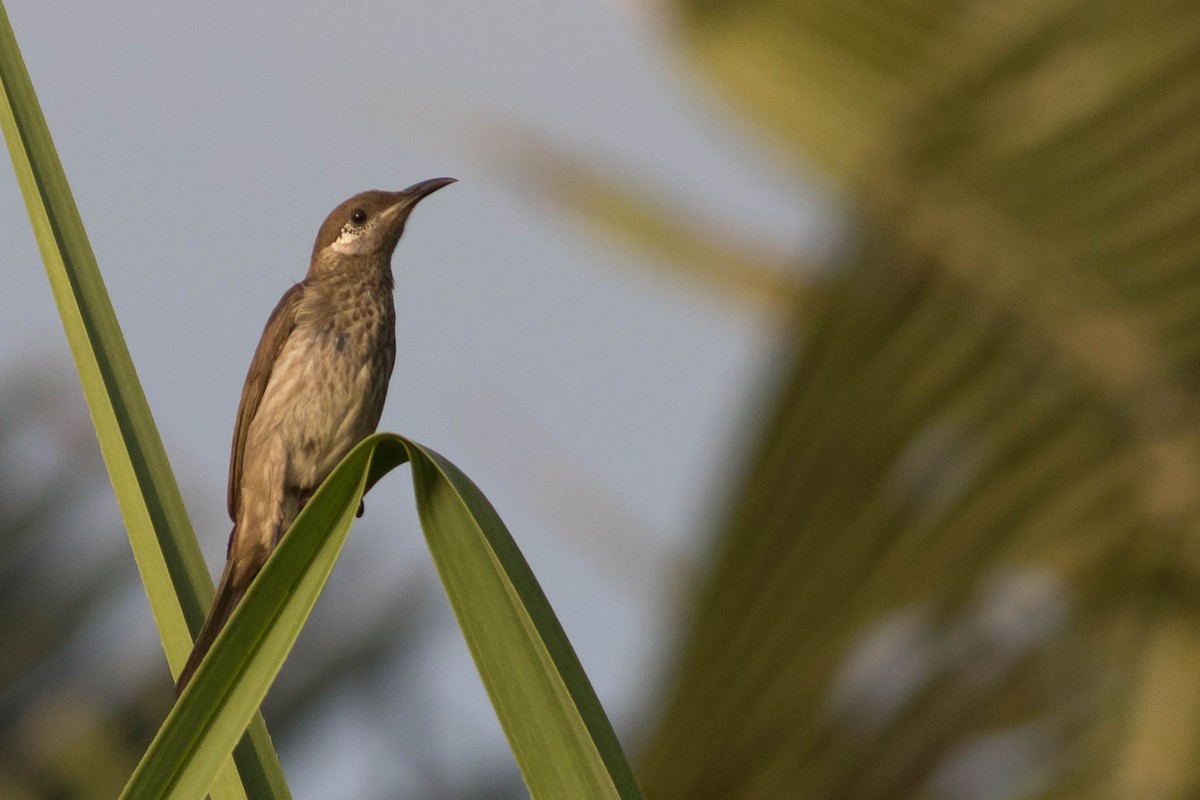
(177, 583)
(559, 734)
(555, 725)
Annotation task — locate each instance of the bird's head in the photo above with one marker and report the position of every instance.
(368, 225)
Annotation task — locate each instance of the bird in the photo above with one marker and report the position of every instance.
(315, 388)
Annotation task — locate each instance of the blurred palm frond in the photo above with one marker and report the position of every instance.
(963, 562)
(622, 207)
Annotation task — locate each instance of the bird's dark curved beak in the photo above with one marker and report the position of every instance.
(423, 189)
(407, 199)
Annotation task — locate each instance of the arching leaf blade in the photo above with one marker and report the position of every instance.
(557, 729)
(559, 734)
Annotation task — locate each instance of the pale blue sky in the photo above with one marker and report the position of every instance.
(590, 398)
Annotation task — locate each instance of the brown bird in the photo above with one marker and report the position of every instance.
(316, 386)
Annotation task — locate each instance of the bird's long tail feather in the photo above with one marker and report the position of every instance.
(229, 592)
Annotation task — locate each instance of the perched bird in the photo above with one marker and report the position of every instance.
(315, 388)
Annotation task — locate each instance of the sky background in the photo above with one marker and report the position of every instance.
(597, 403)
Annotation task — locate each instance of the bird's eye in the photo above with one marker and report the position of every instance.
(358, 216)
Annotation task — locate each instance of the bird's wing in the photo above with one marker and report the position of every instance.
(279, 326)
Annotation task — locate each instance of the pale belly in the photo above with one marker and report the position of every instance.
(324, 396)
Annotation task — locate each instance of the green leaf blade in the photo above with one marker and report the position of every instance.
(559, 734)
(496, 597)
(177, 582)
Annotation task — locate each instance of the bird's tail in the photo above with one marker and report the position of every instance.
(229, 591)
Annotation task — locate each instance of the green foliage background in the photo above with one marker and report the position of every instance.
(963, 561)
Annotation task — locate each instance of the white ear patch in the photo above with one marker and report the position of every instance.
(349, 242)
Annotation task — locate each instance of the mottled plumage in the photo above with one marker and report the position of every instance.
(315, 388)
